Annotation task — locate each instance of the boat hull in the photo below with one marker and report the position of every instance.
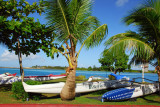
(11, 79)
(129, 92)
(80, 87)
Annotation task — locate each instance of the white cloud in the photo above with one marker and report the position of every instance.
(120, 3)
(8, 56)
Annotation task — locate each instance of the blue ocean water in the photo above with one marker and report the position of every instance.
(42, 72)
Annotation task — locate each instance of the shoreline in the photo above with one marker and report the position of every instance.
(131, 71)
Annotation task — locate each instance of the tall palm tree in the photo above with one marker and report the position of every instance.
(146, 43)
(73, 25)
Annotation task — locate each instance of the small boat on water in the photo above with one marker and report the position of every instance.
(80, 87)
(130, 92)
(10, 78)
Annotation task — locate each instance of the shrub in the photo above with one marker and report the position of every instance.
(80, 78)
(19, 93)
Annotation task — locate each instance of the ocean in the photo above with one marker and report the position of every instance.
(42, 72)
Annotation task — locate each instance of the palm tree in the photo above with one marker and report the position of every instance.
(146, 43)
(73, 25)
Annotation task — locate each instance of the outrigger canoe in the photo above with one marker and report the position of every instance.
(9, 79)
(80, 87)
(43, 78)
(130, 92)
(7, 74)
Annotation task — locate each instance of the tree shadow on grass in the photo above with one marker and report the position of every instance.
(151, 100)
(95, 98)
(5, 87)
(50, 97)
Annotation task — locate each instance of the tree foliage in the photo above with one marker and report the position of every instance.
(114, 62)
(21, 33)
(15, 25)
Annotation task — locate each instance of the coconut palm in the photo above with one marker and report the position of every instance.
(73, 25)
(145, 44)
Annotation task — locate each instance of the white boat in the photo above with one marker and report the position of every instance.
(80, 87)
(130, 92)
(2, 75)
(43, 78)
(10, 79)
(7, 74)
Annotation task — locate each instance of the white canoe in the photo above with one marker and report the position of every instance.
(2, 75)
(43, 78)
(8, 78)
(11, 79)
(80, 87)
(7, 74)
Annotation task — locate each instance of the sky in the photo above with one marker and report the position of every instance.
(108, 12)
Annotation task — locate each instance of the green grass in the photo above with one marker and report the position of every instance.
(6, 98)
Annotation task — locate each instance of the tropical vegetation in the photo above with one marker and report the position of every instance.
(73, 25)
(21, 33)
(144, 44)
(114, 62)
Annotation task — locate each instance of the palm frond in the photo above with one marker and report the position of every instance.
(69, 17)
(147, 19)
(58, 16)
(80, 10)
(120, 36)
(95, 38)
(132, 45)
(83, 30)
(82, 21)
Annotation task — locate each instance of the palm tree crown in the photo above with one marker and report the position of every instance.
(146, 42)
(71, 19)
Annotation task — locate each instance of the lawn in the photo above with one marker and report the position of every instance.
(89, 98)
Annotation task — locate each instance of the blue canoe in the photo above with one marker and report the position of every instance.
(118, 94)
(130, 92)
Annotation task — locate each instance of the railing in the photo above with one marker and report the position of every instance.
(133, 80)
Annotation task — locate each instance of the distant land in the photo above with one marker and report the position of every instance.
(82, 68)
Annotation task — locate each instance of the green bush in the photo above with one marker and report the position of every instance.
(19, 93)
(80, 78)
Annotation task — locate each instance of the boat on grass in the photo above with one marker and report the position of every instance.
(7, 74)
(43, 78)
(10, 78)
(80, 87)
(130, 92)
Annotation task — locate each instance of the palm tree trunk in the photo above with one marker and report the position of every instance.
(68, 91)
